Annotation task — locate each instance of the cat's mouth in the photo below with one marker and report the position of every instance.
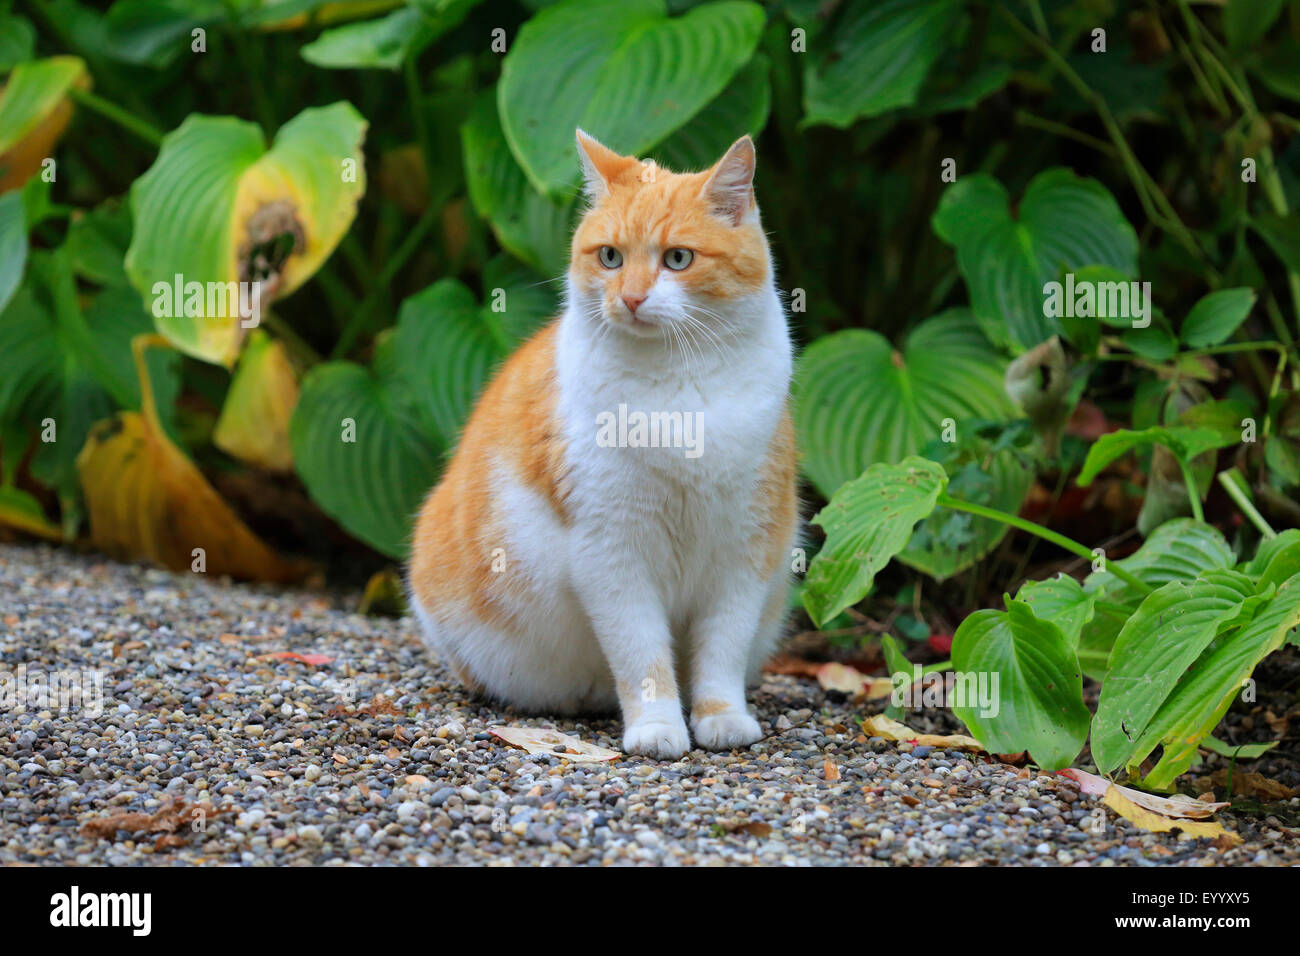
(645, 328)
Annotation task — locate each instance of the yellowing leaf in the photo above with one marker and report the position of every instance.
(539, 741)
(146, 499)
(850, 680)
(1149, 820)
(254, 422)
(34, 110)
(218, 208)
(882, 726)
(21, 511)
(1178, 805)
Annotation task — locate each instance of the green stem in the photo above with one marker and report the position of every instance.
(404, 252)
(1238, 495)
(1047, 534)
(111, 111)
(1193, 490)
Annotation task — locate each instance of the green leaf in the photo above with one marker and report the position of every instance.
(156, 32)
(373, 484)
(1282, 233)
(867, 522)
(877, 57)
(1238, 751)
(857, 401)
(97, 243)
(528, 224)
(1214, 318)
(1064, 224)
(218, 207)
(1246, 21)
(1178, 550)
(1270, 548)
(387, 42)
(1061, 600)
(620, 69)
(17, 41)
(13, 244)
(1185, 441)
(1204, 694)
(739, 109)
(1165, 635)
(1038, 698)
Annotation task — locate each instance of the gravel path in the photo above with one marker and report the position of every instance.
(380, 757)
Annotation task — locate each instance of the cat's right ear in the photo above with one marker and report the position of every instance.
(600, 166)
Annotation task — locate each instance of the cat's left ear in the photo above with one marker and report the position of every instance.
(600, 166)
(729, 190)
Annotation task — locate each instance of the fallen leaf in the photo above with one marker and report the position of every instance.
(146, 499)
(1176, 806)
(830, 771)
(380, 705)
(882, 726)
(541, 741)
(1148, 820)
(795, 666)
(851, 681)
(1254, 785)
(753, 828)
(318, 660)
(178, 814)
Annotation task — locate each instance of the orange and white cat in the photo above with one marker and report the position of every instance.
(616, 524)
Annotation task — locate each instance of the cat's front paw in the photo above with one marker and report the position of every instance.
(659, 737)
(726, 731)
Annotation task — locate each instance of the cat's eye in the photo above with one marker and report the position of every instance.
(678, 259)
(610, 257)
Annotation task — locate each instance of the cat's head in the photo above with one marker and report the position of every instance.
(659, 252)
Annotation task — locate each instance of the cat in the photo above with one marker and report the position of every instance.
(616, 524)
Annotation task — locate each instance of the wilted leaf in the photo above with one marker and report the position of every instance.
(34, 110)
(1176, 806)
(849, 680)
(1147, 820)
(881, 726)
(217, 208)
(21, 511)
(254, 422)
(1255, 785)
(539, 741)
(146, 499)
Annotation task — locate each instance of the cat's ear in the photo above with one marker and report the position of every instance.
(729, 190)
(600, 166)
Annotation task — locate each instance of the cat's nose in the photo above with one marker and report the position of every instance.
(632, 301)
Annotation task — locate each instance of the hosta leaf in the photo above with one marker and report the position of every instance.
(17, 41)
(876, 59)
(1164, 636)
(858, 402)
(218, 207)
(34, 110)
(739, 109)
(528, 224)
(867, 522)
(1037, 702)
(360, 448)
(254, 422)
(155, 32)
(1178, 550)
(1269, 550)
(97, 243)
(1061, 600)
(622, 70)
(389, 41)
(1063, 223)
(22, 512)
(146, 499)
(1185, 441)
(13, 244)
(1214, 318)
(1194, 708)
